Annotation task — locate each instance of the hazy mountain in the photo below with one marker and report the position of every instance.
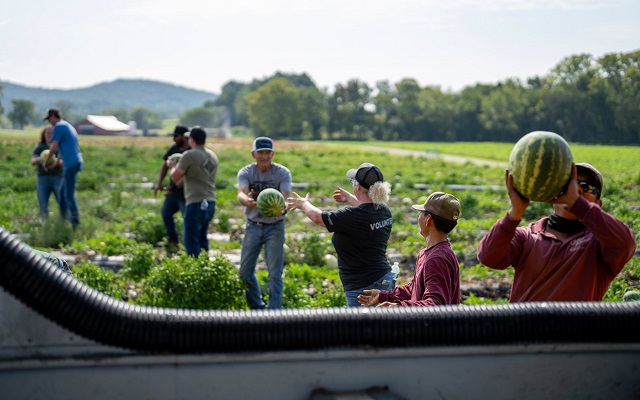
(166, 98)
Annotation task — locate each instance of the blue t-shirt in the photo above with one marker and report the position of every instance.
(65, 134)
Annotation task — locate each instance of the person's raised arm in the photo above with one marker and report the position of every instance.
(519, 204)
(342, 196)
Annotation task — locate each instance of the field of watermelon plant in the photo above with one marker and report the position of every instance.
(120, 214)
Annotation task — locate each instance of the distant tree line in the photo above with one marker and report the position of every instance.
(584, 99)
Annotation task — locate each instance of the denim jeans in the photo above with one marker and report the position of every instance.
(388, 281)
(196, 227)
(69, 190)
(46, 185)
(272, 238)
(171, 206)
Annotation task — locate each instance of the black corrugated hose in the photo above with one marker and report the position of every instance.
(90, 314)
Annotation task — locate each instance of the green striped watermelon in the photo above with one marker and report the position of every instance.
(540, 163)
(270, 202)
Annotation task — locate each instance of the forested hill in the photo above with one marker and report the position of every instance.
(165, 98)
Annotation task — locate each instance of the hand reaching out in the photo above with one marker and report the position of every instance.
(369, 297)
(251, 201)
(340, 195)
(296, 201)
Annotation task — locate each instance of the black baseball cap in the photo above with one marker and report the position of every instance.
(366, 175)
(180, 130)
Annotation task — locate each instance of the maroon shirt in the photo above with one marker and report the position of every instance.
(547, 269)
(435, 282)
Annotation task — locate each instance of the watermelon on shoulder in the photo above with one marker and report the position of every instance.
(540, 164)
(270, 203)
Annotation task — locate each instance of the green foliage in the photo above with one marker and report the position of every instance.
(274, 109)
(472, 299)
(307, 286)
(314, 248)
(222, 221)
(101, 279)
(627, 280)
(108, 245)
(203, 116)
(149, 228)
(138, 262)
(194, 283)
(22, 113)
(53, 232)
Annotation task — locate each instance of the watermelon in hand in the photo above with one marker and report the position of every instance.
(270, 203)
(43, 156)
(175, 157)
(540, 164)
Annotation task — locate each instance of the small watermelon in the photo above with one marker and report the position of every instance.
(43, 156)
(270, 202)
(540, 163)
(175, 157)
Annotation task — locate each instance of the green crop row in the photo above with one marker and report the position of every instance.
(120, 214)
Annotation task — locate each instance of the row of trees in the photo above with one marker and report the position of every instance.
(584, 99)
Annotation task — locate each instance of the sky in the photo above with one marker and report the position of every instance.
(203, 44)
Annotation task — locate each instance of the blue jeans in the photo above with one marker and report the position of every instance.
(388, 281)
(272, 238)
(196, 227)
(171, 206)
(46, 185)
(69, 189)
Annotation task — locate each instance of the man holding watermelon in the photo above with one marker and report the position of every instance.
(65, 139)
(572, 255)
(262, 230)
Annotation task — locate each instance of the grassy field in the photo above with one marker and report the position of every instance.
(115, 196)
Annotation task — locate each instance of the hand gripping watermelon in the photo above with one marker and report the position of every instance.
(43, 156)
(540, 163)
(270, 202)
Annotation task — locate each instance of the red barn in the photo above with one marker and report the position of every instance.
(102, 125)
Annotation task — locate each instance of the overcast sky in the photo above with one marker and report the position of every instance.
(203, 44)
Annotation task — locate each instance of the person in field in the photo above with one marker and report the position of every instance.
(174, 200)
(262, 231)
(198, 166)
(572, 255)
(437, 274)
(49, 180)
(360, 231)
(65, 139)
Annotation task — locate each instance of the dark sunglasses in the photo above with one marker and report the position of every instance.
(586, 187)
